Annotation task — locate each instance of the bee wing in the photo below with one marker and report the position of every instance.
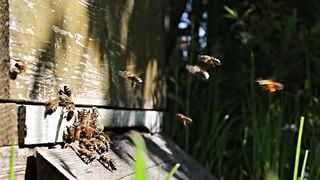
(123, 74)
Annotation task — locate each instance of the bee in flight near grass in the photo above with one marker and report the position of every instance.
(184, 119)
(270, 85)
(209, 60)
(198, 71)
(134, 78)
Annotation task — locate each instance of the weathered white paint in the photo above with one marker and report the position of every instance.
(42, 130)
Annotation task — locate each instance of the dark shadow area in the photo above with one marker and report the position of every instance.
(31, 169)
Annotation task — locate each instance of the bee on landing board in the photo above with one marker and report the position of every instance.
(270, 85)
(88, 132)
(198, 71)
(87, 155)
(134, 78)
(209, 60)
(184, 119)
(109, 162)
(85, 143)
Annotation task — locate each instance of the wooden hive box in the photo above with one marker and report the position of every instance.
(84, 44)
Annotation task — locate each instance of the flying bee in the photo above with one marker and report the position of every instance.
(108, 162)
(67, 91)
(70, 108)
(270, 85)
(184, 119)
(87, 155)
(85, 143)
(65, 100)
(51, 106)
(134, 78)
(198, 71)
(209, 60)
(17, 68)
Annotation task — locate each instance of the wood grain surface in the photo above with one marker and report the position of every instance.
(24, 163)
(65, 164)
(4, 49)
(83, 44)
(8, 124)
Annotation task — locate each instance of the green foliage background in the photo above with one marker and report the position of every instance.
(239, 130)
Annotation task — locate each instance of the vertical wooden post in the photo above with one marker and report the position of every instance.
(4, 49)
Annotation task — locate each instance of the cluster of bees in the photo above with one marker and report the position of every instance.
(85, 136)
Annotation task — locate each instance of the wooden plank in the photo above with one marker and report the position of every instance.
(8, 124)
(24, 167)
(49, 129)
(4, 49)
(161, 151)
(84, 44)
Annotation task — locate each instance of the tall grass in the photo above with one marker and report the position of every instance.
(233, 119)
(12, 161)
(140, 158)
(296, 163)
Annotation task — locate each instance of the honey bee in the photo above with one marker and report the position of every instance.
(84, 117)
(70, 108)
(270, 85)
(209, 60)
(85, 143)
(17, 68)
(94, 113)
(108, 162)
(51, 106)
(69, 137)
(184, 119)
(87, 155)
(100, 146)
(134, 78)
(106, 141)
(88, 132)
(67, 91)
(104, 137)
(198, 71)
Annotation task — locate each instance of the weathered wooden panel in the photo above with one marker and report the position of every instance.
(24, 163)
(161, 151)
(4, 49)
(84, 43)
(42, 130)
(8, 124)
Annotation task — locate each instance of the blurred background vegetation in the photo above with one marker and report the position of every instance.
(240, 131)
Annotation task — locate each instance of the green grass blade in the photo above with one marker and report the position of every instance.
(173, 171)
(296, 164)
(160, 169)
(140, 153)
(304, 165)
(12, 160)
